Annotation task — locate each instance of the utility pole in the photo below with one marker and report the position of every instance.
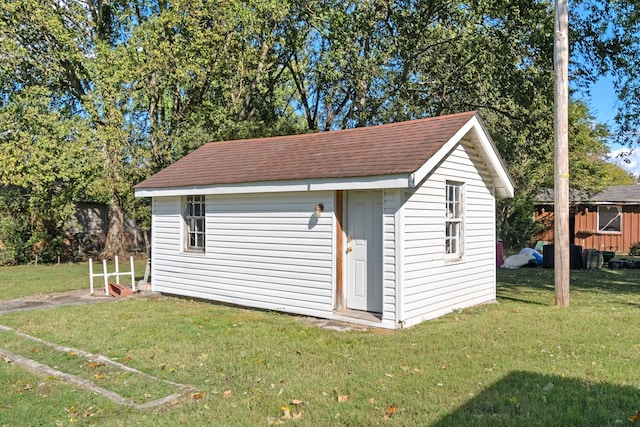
(561, 176)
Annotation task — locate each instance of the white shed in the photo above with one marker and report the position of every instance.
(384, 226)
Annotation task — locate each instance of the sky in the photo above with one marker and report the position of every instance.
(603, 106)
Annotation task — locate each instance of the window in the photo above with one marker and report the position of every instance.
(194, 223)
(609, 219)
(453, 221)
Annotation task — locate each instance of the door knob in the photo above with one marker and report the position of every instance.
(349, 249)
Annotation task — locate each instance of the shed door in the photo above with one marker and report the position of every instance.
(364, 251)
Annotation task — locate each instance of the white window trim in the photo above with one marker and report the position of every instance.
(618, 216)
(450, 219)
(188, 201)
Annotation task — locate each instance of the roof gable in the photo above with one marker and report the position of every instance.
(392, 152)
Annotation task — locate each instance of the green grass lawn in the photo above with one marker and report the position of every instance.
(522, 361)
(23, 280)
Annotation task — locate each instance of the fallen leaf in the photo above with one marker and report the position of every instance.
(297, 402)
(127, 358)
(286, 412)
(343, 398)
(198, 395)
(297, 415)
(372, 401)
(98, 376)
(389, 412)
(635, 417)
(27, 386)
(227, 394)
(94, 365)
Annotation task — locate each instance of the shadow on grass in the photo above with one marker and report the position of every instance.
(526, 399)
(506, 296)
(619, 281)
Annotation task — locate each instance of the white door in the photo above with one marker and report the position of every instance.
(364, 251)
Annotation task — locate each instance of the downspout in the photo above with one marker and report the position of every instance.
(411, 181)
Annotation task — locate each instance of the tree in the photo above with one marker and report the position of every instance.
(607, 42)
(147, 81)
(126, 87)
(64, 47)
(46, 167)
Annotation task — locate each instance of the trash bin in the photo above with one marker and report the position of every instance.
(575, 256)
(592, 259)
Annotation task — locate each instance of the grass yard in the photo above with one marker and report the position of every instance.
(520, 362)
(23, 280)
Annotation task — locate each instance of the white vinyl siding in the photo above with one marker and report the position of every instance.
(264, 251)
(391, 203)
(433, 286)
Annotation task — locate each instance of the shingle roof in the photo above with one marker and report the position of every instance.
(622, 194)
(619, 194)
(388, 149)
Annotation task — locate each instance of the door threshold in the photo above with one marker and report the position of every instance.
(361, 315)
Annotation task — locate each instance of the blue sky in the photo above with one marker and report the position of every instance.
(603, 103)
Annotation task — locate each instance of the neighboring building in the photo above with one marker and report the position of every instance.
(607, 221)
(86, 231)
(385, 226)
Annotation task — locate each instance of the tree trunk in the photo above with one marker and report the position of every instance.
(115, 235)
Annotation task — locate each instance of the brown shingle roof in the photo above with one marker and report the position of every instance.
(388, 149)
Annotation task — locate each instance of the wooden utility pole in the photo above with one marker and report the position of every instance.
(561, 177)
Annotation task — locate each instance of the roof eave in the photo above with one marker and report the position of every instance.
(354, 183)
(502, 181)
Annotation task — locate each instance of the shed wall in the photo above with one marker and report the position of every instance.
(434, 286)
(585, 226)
(391, 205)
(264, 251)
